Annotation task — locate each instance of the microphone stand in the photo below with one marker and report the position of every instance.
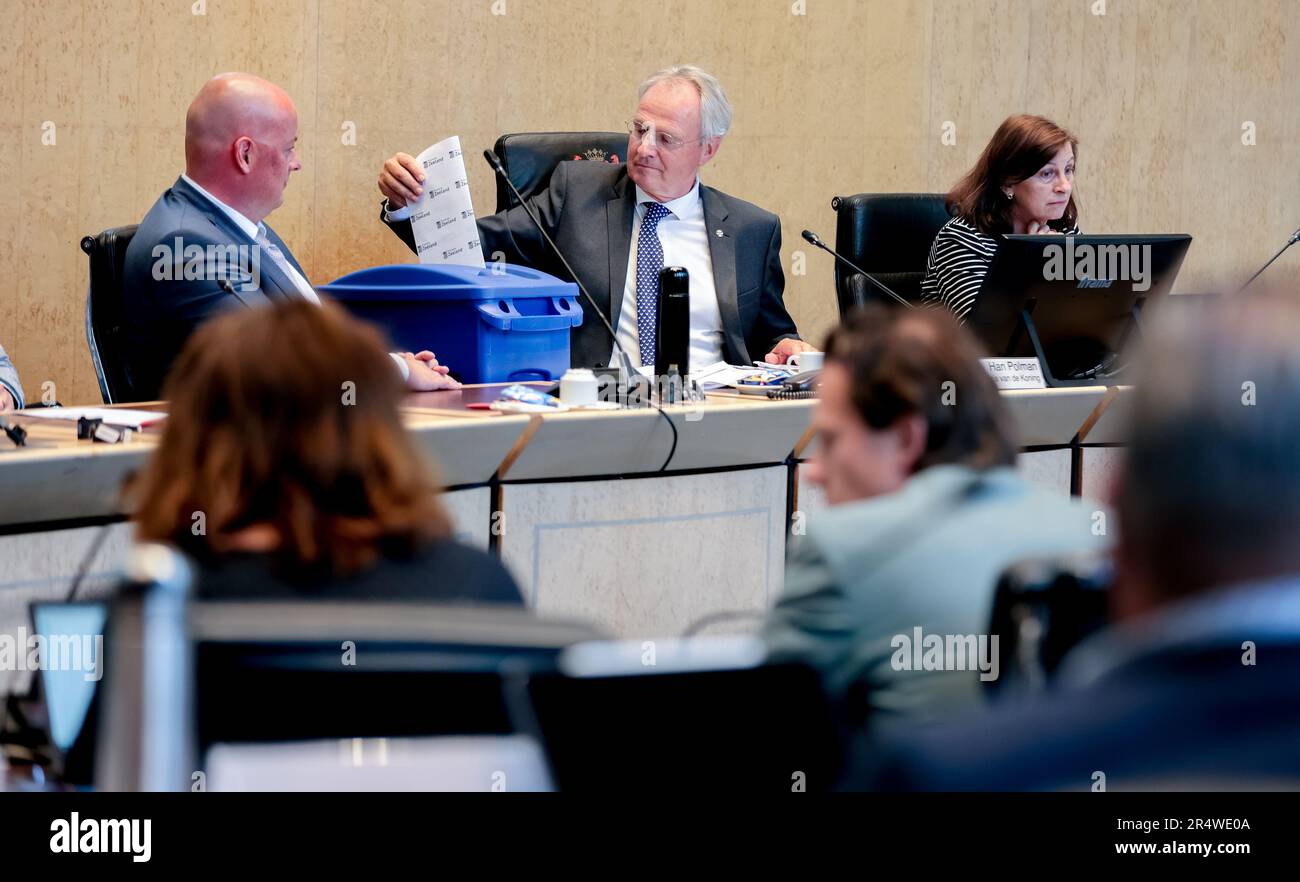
(625, 363)
(1295, 237)
(813, 239)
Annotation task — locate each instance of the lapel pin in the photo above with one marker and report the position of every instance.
(719, 232)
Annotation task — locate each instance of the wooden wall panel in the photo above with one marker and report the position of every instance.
(851, 96)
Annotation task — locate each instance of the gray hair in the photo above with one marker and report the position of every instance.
(1211, 491)
(715, 109)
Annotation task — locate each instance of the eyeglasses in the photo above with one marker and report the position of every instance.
(663, 140)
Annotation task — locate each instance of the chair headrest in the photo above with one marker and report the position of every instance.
(530, 157)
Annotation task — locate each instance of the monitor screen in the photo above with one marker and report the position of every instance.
(71, 637)
(1081, 293)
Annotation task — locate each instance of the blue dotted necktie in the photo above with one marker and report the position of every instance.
(649, 261)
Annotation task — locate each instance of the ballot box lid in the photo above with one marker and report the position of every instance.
(415, 281)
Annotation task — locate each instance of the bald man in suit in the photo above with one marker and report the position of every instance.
(204, 246)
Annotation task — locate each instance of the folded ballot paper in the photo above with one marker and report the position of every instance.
(442, 219)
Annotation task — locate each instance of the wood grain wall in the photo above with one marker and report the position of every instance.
(850, 96)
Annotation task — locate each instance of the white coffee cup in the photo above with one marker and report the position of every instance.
(808, 361)
(578, 386)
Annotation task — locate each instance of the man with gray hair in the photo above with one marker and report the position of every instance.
(620, 224)
(1194, 685)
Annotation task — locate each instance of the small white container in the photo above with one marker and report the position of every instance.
(809, 361)
(578, 387)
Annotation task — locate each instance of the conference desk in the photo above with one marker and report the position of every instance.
(579, 505)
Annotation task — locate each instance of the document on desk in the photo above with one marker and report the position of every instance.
(442, 219)
(728, 376)
(131, 419)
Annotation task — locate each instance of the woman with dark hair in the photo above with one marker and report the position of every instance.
(1022, 183)
(284, 469)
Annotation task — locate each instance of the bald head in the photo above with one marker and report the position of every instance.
(240, 135)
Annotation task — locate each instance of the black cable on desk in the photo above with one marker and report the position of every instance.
(673, 450)
(86, 561)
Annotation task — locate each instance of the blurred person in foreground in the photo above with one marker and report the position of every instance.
(1194, 685)
(916, 457)
(285, 471)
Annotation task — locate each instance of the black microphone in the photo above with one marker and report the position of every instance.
(815, 240)
(673, 322)
(16, 434)
(1295, 237)
(497, 167)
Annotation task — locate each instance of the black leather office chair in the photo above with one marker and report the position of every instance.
(104, 332)
(1042, 608)
(889, 235)
(530, 157)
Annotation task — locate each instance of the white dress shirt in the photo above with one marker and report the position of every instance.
(256, 231)
(685, 241)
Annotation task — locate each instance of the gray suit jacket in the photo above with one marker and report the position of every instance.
(9, 378)
(160, 314)
(928, 556)
(587, 208)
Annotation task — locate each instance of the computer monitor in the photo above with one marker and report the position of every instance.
(735, 723)
(72, 639)
(1073, 301)
(367, 696)
(253, 685)
(291, 671)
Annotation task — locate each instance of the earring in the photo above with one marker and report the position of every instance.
(1008, 193)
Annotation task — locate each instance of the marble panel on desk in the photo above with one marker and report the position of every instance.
(649, 557)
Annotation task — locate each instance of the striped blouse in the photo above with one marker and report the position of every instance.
(959, 260)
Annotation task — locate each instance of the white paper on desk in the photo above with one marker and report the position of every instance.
(727, 376)
(442, 219)
(131, 419)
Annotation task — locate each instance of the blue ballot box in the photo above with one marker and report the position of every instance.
(495, 325)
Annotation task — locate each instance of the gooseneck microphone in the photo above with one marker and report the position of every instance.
(813, 239)
(1295, 237)
(624, 361)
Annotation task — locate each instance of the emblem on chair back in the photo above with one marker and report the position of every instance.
(596, 154)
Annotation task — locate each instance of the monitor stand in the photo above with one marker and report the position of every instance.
(1094, 377)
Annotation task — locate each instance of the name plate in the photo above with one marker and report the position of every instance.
(1015, 373)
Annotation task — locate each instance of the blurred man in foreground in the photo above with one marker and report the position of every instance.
(916, 455)
(204, 247)
(1195, 685)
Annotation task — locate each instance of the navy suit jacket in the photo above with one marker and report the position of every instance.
(587, 208)
(159, 314)
(1186, 717)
